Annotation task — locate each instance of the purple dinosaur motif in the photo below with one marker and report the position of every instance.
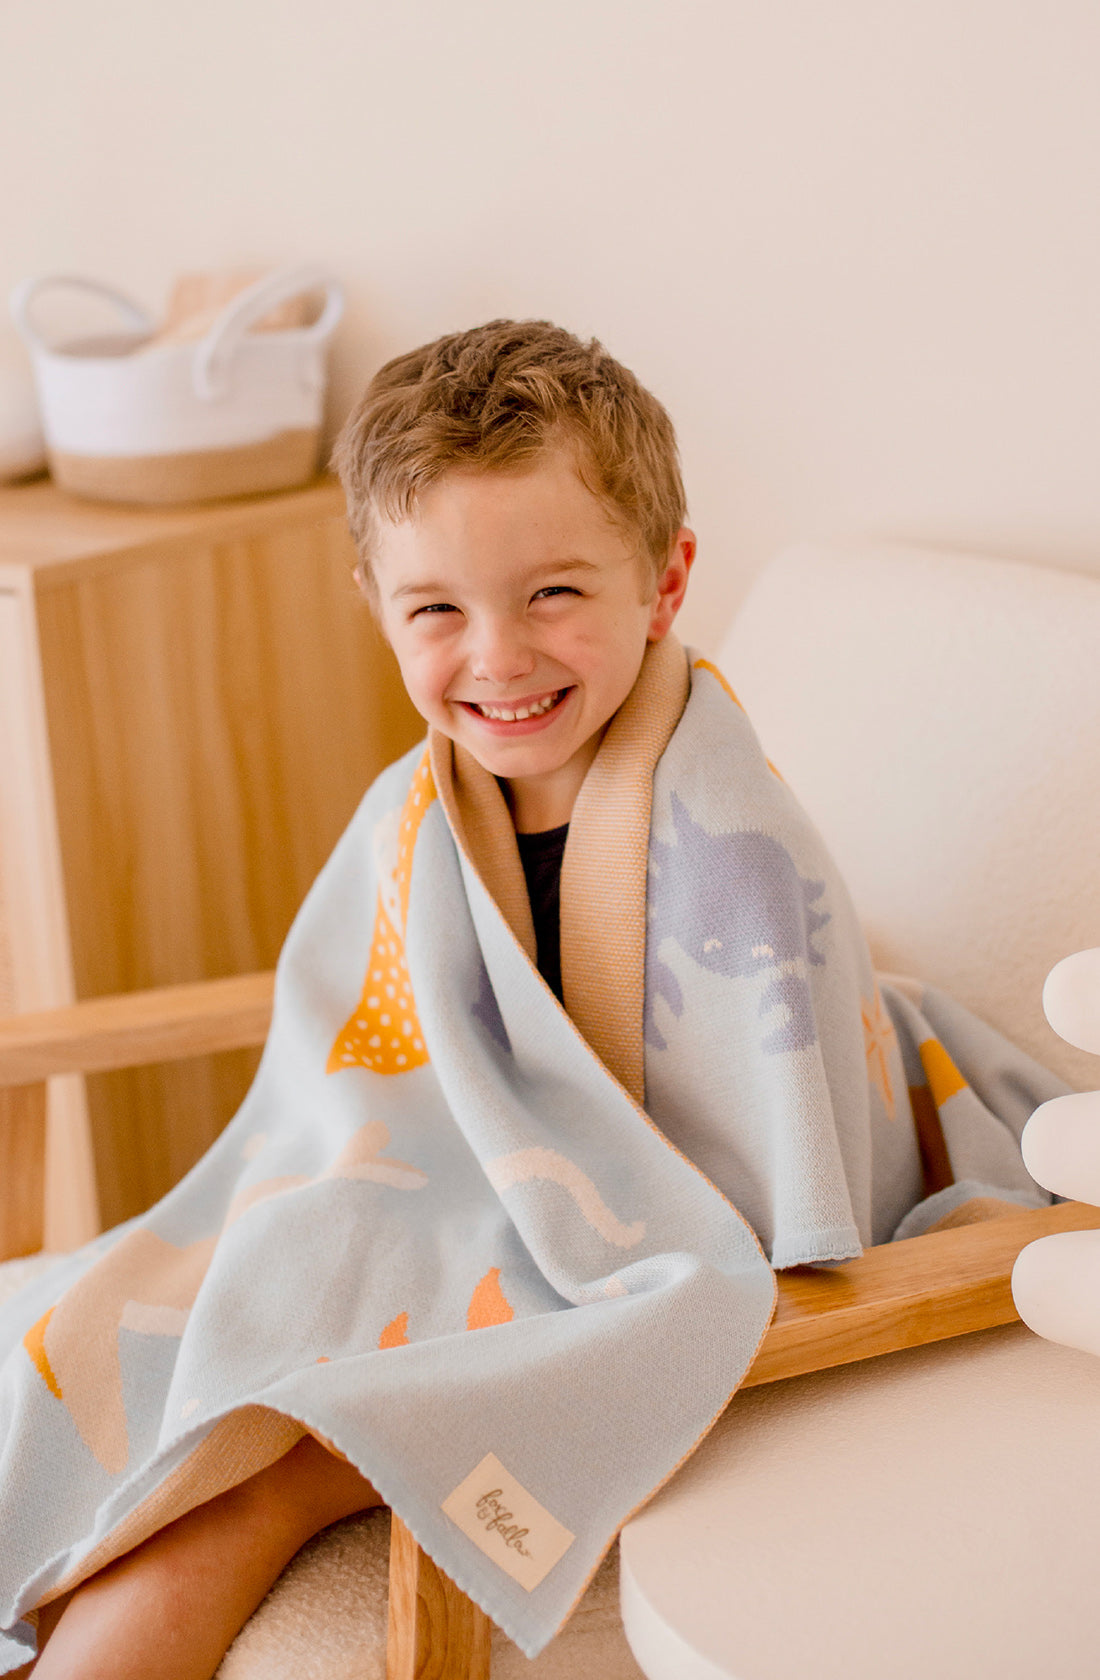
(736, 904)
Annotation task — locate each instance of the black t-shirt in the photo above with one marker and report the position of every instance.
(541, 856)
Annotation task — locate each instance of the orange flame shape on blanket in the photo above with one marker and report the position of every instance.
(488, 1305)
(35, 1343)
(383, 1031)
(149, 1285)
(396, 1333)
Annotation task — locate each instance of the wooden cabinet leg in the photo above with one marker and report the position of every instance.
(435, 1631)
(22, 1169)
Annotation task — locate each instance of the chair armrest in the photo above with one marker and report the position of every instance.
(904, 1294)
(895, 1296)
(136, 1028)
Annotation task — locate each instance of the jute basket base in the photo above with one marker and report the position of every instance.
(201, 475)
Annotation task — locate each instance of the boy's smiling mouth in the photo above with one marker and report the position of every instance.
(529, 710)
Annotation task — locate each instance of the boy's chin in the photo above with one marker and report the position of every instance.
(515, 766)
(537, 766)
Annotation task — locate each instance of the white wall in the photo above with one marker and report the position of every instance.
(854, 245)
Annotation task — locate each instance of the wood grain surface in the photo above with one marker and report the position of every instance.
(136, 1028)
(22, 1169)
(435, 1631)
(217, 700)
(904, 1294)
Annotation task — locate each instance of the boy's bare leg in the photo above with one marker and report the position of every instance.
(170, 1609)
(47, 1621)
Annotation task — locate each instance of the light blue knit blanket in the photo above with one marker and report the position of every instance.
(512, 1262)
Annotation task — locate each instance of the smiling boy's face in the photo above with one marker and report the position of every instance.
(515, 607)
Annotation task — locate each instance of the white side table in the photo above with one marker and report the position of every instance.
(934, 1513)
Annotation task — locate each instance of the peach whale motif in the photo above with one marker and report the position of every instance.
(150, 1285)
(523, 1165)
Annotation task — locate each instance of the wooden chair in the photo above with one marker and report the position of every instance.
(901, 1295)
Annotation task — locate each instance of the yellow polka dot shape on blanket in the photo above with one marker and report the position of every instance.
(383, 1032)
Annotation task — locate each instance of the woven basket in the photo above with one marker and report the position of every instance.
(131, 417)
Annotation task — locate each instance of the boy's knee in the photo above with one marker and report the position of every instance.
(309, 1487)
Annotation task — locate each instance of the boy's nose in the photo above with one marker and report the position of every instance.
(500, 655)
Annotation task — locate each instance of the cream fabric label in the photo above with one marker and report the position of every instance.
(506, 1523)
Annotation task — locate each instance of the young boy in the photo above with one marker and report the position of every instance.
(519, 517)
(519, 602)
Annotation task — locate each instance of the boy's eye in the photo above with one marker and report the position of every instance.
(435, 607)
(555, 589)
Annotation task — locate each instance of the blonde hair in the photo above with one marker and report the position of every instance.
(493, 399)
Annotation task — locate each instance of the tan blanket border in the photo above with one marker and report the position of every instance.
(603, 877)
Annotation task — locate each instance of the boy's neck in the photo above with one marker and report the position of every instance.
(536, 810)
(539, 803)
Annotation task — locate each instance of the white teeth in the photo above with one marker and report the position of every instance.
(500, 714)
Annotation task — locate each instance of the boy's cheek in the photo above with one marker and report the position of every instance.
(426, 684)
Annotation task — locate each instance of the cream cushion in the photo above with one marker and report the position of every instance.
(938, 714)
(325, 1619)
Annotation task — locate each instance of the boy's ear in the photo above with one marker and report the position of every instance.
(672, 584)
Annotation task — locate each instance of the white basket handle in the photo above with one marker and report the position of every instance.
(214, 353)
(27, 290)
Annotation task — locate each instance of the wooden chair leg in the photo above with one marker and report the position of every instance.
(22, 1169)
(435, 1631)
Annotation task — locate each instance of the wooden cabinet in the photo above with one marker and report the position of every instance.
(192, 703)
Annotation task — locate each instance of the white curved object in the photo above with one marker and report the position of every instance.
(1061, 1146)
(1056, 1289)
(1056, 1281)
(1071, 999)
(137, 318)
(150, 404)
(215, 353)
(932, 1513)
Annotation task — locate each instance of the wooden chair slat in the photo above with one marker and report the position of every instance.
(22, 1169)
(904, 1294)
(435, 1631)
(135, 1029)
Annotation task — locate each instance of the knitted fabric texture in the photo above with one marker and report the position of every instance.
(512, 1261)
